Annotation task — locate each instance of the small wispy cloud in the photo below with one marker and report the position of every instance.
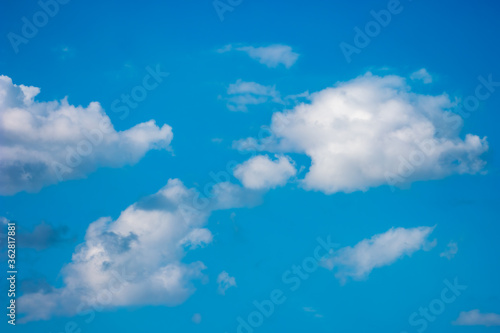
(380, 250)
(476, 318)
(225, 282)
(451, 250)
(64, 52)
(421, 75)
(241, 94)
(272, 56)
(312, 311)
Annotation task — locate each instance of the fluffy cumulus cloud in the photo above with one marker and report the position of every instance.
(135, 259)
(241, 94)
(476, 318)
(380, 250)
(262, 173)
(372, 131)
(225, 282)
(272, 56)
(42, 143)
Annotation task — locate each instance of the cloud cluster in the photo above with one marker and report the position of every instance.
(42, 143)
(372, 131)
(272, 56)
(476, 318)
(380, 250)
(137, 258)
(360, 134)
(262, 173)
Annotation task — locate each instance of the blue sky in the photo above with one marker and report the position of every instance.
(285, 138)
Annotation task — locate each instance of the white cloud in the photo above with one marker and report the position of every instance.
(260, 172)
(225, 282)
(421, 75)
(372, 131)
(43, 143)
(475, 318)
(135, 259)
(380, 250)
(450, 251)
(241, 94)
(272, 56)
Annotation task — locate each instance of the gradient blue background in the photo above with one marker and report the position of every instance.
(110, 44)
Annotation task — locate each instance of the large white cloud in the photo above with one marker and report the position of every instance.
(373, 131)
(260, 172)
(137, 258)
(380, 250)
(476, 318)
(42, 143)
